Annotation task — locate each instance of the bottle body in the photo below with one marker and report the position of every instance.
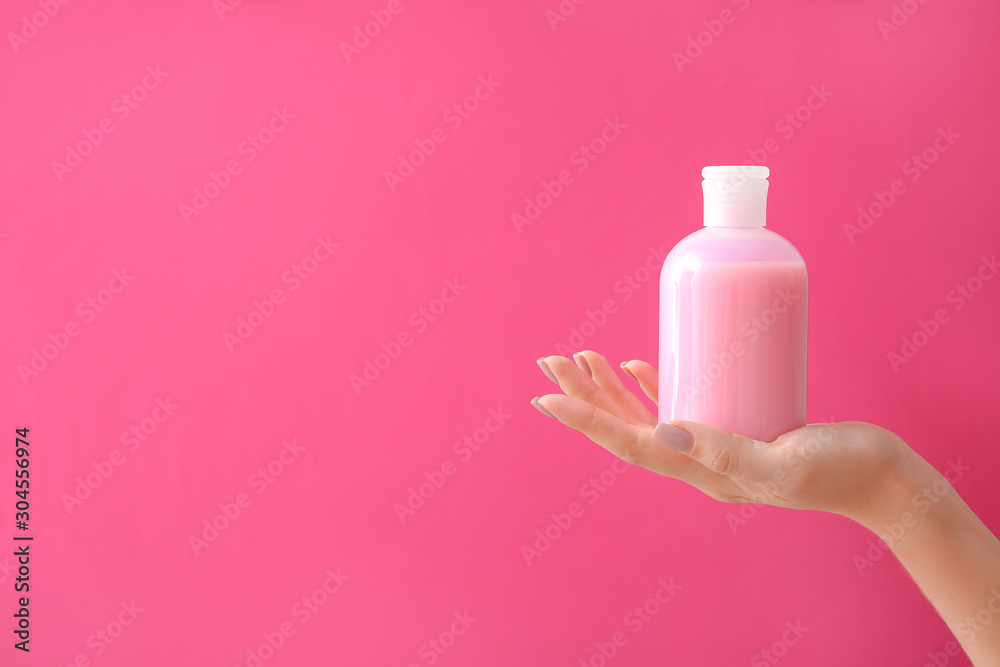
(733, 332)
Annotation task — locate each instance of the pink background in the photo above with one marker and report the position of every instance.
(523, 291)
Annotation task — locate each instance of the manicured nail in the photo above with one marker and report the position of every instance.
(545, 369)
(581, 361)
(673, 437)
(541, 408)
(628, 372)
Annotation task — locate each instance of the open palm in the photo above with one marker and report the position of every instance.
(835, 467)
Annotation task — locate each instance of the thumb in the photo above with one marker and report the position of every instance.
(722, 452)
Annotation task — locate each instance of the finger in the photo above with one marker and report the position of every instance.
(578, 383)
(646, 376)
(633, 443)
(607, 379)
(744, 460)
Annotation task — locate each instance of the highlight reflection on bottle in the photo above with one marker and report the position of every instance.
(733, 316)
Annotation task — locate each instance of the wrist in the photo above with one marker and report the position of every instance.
(897, 501)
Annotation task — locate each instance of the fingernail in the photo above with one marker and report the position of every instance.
(541, 408)
(673, 437)
(581, 361)
(628, 372)
(545, 369)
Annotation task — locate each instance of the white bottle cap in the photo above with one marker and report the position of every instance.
(735, 196)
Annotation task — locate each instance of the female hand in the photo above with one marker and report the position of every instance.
(841, 467)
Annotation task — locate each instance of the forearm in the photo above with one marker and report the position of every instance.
(951, 555)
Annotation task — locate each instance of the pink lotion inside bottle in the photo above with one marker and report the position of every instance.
(733, 317)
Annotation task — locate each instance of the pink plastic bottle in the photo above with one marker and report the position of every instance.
(733, 312)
